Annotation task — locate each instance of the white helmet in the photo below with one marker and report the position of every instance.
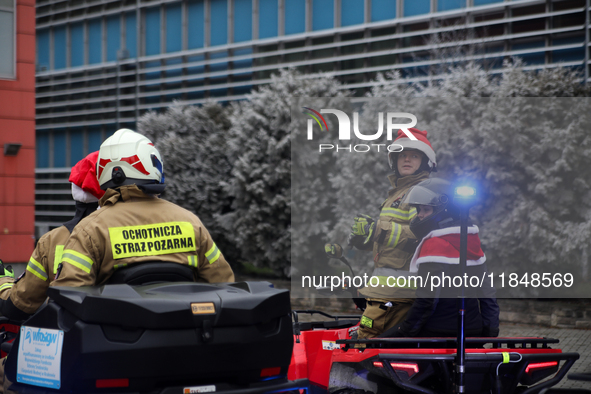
(128, 158)
(421, 144)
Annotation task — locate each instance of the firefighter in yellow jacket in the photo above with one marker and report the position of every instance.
(22, 298)
(390, 236)
(133, 225)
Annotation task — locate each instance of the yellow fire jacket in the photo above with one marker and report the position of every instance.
(133, 227)
(30, 291)
(392, 247)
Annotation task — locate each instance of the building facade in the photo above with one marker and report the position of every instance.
(17, 130)
(102, 64)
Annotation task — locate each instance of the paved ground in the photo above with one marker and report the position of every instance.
(571, 340)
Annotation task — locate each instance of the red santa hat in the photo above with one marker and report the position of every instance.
(85, 187)
(421, 144)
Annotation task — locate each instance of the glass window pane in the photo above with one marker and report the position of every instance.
(95, 41)
(7, 38)
(482, 2)
(131, 34)
(295, 16)
(352, 12)
(95, 138)
(268, 17)
(383, 9)
(219, 22)
(7, 4)
(322, 14)
(444, 5)
(113, 37)
(43, 49)
(77, 44)
(42, 150)
(59, 47)
(76, 146)
(416, 7)
(153, 31)
(59, 149)
(174, 25)
(242, 20)
(196, 24)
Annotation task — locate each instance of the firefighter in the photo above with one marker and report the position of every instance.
(435, 310)
(133, 225)
(390, 237)
(22, 298)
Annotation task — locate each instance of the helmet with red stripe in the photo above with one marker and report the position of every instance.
(128, 158)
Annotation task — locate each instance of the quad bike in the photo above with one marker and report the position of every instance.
(325, 354)
(142, 335)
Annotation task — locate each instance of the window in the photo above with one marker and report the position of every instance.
(196, 24)
(268, 13)
(242, 20)
(113, 37)
(219, 22)
(42, 49)
(174, 24)
(322, 14)
(295, 16)
(42, 149)
(483, 2)
(131, 34)
(76, 44)
(352, 12)
(153, 31)
(382, 10)
(416, 7)
(59, 148)
(76, 145)
(444, 5)
(59, 47)
(95, 41)
(7, 39)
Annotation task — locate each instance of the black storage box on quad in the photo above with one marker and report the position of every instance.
(171, 334)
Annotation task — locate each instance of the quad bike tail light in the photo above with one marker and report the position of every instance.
(535, 372)
(409, 368)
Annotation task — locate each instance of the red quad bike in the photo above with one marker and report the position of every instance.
(325, 354)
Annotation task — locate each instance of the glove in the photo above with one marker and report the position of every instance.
(6, 271)
(363, 226)
(334, 251)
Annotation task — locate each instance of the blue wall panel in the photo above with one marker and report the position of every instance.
(131, 34)
(43, 48)
(383, 10)
(482, 2)
(196, 24)
(444, 5)
(242, 20)
(59, 47)
(416, 7)
(153, 31)
(113, 37)
(352, 12)
(95, 41)
(322, 14)
(59, 149)
(174, 26)
(268, 18)
(77, 44)
(219, 22)
(295, 16)
(76, 146)
(95, 138)
(42, 149)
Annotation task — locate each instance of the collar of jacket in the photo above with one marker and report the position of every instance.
(123, 193)
(407, 180)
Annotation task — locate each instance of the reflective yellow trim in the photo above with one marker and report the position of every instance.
(366, 321)
(57, 259)
(213, 254)
(193, 260)
(396, 230)
(37, 269)
(5, 286)
(78, 260)
(399, 213)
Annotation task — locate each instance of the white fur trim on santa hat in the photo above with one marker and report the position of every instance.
(81, 195)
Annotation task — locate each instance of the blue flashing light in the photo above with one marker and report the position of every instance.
(465, 191)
